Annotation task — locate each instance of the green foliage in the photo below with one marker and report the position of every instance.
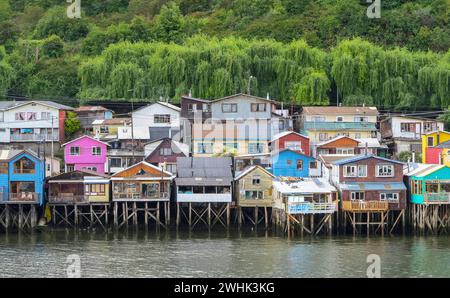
(406, 156)
(55, 21)
(6, 72)
(446, 118)
(72, 124)
(53, 47)
(5, 10)
(169, 23)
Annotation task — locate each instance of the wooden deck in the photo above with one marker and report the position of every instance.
(365, 206)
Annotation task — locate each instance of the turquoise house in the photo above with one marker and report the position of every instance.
(22, 176)
(291, 163)
(428, 184)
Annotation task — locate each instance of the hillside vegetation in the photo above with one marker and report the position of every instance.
(297, 51)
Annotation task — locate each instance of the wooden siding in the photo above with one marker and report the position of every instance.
(149, 172)
(245, 184)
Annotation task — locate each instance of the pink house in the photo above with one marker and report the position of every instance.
(85, 153)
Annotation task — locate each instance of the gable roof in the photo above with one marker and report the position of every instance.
(329, 159)
(363, 157)
(244, 95)
(423, 170)
(277, 152)
(6, 155)
(91, 109)
(80, 174)
(286, 133)
(196, 99)
(147, 165)
(321, 110)
(155, 144)
(335, 139)
(250, 169)
(7, 105)
(445, 145)
(84, 136)
(162, 103)
(204, 171)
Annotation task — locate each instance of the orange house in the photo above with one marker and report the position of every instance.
(339, 145)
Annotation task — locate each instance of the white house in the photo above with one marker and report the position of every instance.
(32, 121)
(152, 122)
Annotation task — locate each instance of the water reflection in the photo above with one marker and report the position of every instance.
(244, 253)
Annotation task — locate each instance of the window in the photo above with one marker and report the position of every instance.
(296, 146)
(31, 116)
(255, 148)
(429, 127)
(339, 118)
(230, 146)
(24, 166)
(75, 150)
(289, 161)
(430, 141)
(205, 148)
(389, 197)
(362, 170)
(224, 189)
(254, 195)
(350, 171)
(258, 107)
(206, 107)
(115, 162)
(357, 195)
(22, 189)
(416, 187)
(192, 107)
(408, 127)
(256, 180)
(358, 135)
(229, 108)
(313, 164)
(161, 118)
(361, 119)
(150, 190)
(70, 167)
(165, 151)
(104, 129)
(299, 164)
(323, 136)
(21, 116)
(385, 171)
(46, 115)
(4, 168)
(94, 189)
(94, 169)
(345, 151)
(171, 167)
(96, 151)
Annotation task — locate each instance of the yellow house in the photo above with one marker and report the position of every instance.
(433, 139)
(324, 123)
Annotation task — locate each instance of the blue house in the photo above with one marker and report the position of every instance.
(291, 163)
(21, 176)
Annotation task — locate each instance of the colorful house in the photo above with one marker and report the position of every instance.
(294, 164)
(164, 152)
(370, 184)
(85, 153)
(290, 140)
(254, 187)
(296, 198)
(22, 175)
(438, 154)
(346, 145)
(107, 129)
(433, 139)
(88, 114)
(79, 186)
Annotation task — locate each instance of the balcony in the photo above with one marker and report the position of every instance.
(23, 197)
(33, 137)
(311, 208)
(437, 198)
(136, 196)
(203, 198)
(365, 206)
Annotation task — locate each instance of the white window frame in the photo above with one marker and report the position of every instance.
(71, 153)
(355, 171)
(395, 196)
(353, 196)
(362, 167)
(377, 169)
(293, 145)
(345, 151)
(96, 152)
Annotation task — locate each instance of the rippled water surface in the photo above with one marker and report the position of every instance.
(203, 254)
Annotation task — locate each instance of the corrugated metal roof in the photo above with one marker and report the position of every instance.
(420, 169)
(6, 105)
(328, 159)
(369, 126)
(285, 133)
(368, 111)
(372, 186)
(445, 145)
(362, 157)
(304, 186)
(245, 95)
(204, 167)
(250, 169)
(203, 181)
(8, 154)
(91, 109)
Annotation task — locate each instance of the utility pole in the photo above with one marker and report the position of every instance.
(52, 137)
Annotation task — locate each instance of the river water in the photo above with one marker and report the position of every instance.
(219, 254)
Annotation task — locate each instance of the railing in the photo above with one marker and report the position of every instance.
(138, 196)
(311, 208)
(23, 197)
(67, 198)
(365, 205)
(437, 198)
(34, 137)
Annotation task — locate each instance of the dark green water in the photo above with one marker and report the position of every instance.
(203, 254)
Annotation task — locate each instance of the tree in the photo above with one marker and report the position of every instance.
(5, 10)
(169, 24)
(71, 124)
(53, 47)
(407, 156)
